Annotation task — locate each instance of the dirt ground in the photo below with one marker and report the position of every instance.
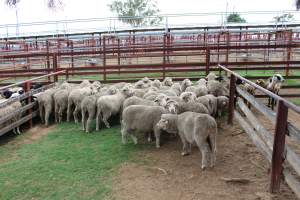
(171, 176)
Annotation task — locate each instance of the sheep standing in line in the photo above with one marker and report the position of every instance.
(8, 110)
(188, 96)
(193, 128)
(167, 82)
(215, 105)
(110, 105)
(199, 89)
(46, 104)
(185, 84)
(142, 119)
(156, 83)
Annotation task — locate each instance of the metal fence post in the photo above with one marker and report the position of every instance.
(231, 99)
(48, 59)
(164, 57)
(104, 58)
(278, 147)
(55, 66)
(207, 61)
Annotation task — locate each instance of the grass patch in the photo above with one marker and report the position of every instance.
(65, 164)
(296, 101)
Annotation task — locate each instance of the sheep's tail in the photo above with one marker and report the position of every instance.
(212, 135)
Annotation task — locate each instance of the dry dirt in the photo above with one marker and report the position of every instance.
(173, 177)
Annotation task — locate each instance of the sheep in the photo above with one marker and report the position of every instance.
(110, 105)
(199, 90)
(60, 103)
(185, 83)
(75, 97)
(89, 107)
(84, 83)
(45, 101)
(120, 85)
(215, 105)
(167, 82)
(180, 107)
(176, 88)
(217, 88)
(201, 81)
(143, 119)
(188, 96)
(156, 83)
(8, 110)
(247, 87)
(211, 76)
(193, 128)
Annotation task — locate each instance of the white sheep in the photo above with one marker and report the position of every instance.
(46, 104)
(167, 82)
(188, 96)
(185, 83)
(8, 110)
(156, 83)
(193, 128)
(215, 105)
(111, 105)
(180, 107)
(143, 119)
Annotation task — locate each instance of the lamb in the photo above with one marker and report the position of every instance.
(193, 128)
(75, 97)
(143, 119)
(167, 82)
(110, 105)
(185, 83)
(8, 110)
(180, 107)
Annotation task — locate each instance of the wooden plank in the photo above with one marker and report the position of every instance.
(18, 123)
(292, 158)
(13, 114)
(231, 98)
(292, 181)
(262, 147)
(294, 132)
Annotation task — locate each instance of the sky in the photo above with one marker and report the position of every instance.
(36, 11)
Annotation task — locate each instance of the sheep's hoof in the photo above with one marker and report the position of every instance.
(157, 146)
(184, 153)
(149, 139)
(203, 167)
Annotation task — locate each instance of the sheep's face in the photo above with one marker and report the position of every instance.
(188, 97)
(202, 81)
(146, 80)
(172, 107)
(211, 76)
(156, 83)
(223, 102)
(168, 82)
(163, 124)
(260, 82)
(127, 91)
(139, 85)
(161, 100)
(187, 82)
(112, 90)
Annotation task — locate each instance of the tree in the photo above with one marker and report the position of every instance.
(235, 18)
(53, 4)
(136, 12)
(284, 18)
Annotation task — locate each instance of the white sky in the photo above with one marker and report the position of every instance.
(36, 10)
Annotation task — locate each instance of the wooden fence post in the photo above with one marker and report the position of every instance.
(278, 147)
(231, 99)
(27, 86)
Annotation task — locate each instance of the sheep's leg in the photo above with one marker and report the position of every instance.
(69, 112)
(272, 103)
(60, 114)
(75, 114)
(134, 138)
(98, 120)
(47, 116)
(18, 130)
(91, 115)
(204, 149)
(56, 109)
(185, 145)
(105, 118)
(83, 120)
(41, 109)
(124, 133)
(157, 137)
(149, 137)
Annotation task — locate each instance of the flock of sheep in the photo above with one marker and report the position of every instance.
(147, 106)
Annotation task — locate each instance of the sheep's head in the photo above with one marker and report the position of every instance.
(161, 100)
(223, 102)
(146, 80)
(188, 97)
(166, 123)
(85, 83)
(211, 76)
(112, 90)
(139, 85)
(261, 83)
(127, 91)
(168, 81)
(186, 83)
(156, 83)
(201, 81)
(172, 106)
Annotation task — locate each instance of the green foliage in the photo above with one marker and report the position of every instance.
(65, 164)
(235, 18)
(136, 12)
(53, 4)
(284, 18)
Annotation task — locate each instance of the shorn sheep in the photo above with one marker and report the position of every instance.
(142, 119)
(193, 128)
